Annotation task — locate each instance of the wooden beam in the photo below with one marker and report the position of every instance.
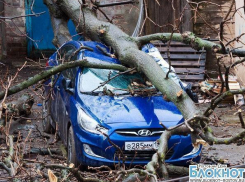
(187, 23)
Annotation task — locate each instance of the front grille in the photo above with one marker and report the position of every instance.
(135, 132)
(143, 155)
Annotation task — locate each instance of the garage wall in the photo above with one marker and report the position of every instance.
(14, 41)
(213, 15)
(233, 28)
(164, 16)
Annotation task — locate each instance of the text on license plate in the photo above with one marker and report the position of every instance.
(141, 145)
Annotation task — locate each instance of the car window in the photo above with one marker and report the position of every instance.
(92, 78)
(66, 54)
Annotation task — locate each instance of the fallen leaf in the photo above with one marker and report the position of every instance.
(71, 165)
(52, 177)
(4, 106)
(179, 93)
(166, 98)
(200, 141)
(102, 31)
(113, 56)
(148, 83)
(226, 160)
(39, 172)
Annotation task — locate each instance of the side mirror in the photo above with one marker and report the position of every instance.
(67, 85)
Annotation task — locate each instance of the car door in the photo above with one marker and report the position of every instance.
(65, 91)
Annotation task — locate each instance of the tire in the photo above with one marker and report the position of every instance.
(71, 149)
(46, 121)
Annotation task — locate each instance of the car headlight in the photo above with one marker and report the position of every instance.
(194, 150)
(89, 124)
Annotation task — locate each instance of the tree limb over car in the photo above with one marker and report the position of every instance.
(127, 51)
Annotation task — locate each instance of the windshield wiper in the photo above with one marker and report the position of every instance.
(91, 93)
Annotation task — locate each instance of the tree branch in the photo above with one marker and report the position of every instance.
(208, 137)
(190, 39)
(22, 16)
(115, 3)
(241, 118)
(221, 97)
(46, 74)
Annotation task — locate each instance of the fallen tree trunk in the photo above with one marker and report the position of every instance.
(59, 23)
(127, 48)
(127, 51)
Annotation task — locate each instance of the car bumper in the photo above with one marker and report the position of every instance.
(89, 160)
(104, 153)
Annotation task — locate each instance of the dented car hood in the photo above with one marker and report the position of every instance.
(138, 111)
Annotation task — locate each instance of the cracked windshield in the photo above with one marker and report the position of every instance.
(112, 82)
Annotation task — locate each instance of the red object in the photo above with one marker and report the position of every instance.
(47, 64)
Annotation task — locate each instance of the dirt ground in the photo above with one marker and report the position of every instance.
(29, 133)
(225, 124)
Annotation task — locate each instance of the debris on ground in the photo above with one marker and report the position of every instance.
(213, 87)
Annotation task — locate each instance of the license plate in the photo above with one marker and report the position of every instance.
(141, 145)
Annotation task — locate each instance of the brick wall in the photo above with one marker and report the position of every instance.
(124, 16)
(1, 32)
(15, 30)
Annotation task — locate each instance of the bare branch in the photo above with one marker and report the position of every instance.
(57, 69)
(21, 16)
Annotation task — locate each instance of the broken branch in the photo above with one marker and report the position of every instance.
(46, 74)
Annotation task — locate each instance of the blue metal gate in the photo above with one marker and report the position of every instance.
(40, 29)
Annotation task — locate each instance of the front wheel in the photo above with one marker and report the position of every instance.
(72, 158)
(46, 119)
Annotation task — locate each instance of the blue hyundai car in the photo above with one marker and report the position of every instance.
(93, 114)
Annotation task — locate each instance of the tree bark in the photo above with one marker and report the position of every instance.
(59, 24)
